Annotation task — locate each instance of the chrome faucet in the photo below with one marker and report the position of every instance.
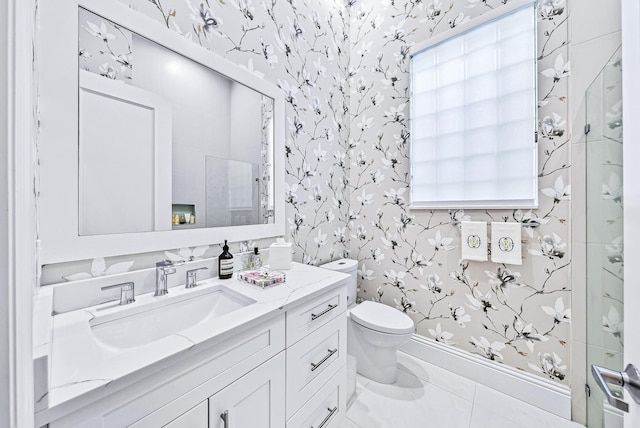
(164, 268)
(192, 279)
(127, 293)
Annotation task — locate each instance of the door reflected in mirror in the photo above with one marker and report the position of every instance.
(165, 138)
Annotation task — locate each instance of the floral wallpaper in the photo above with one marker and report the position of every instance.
(410, 259)
(104, 47)
(344, 69)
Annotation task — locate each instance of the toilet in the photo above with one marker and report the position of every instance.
(374, 333)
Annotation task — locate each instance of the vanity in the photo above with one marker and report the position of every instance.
(151, 143)
(224, 354)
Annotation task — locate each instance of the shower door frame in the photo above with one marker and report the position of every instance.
(631, 178)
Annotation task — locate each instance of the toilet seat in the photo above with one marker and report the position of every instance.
(382, 318)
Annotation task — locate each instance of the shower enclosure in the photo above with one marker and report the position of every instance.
(604, 244)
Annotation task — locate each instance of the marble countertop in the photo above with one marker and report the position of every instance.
(80, 367)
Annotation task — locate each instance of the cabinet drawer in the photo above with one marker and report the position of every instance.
(198, 417)
(312, 315)
(327, 408)
(314, 360)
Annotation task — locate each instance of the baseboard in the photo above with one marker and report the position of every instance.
(613, 418)
(523, 386)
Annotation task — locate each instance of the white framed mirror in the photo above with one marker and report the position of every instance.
(149, 141)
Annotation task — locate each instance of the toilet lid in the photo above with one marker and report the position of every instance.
(342, 265)
(382, 318)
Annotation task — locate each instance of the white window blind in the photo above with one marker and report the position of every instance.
(473, 115)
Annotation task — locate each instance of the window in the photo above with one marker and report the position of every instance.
(474, 114)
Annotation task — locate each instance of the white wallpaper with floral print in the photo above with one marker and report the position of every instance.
(343, 67)
(104, 48)
(410, 259)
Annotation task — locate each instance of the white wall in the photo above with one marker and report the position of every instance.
(203, 126)
(5, 368)
(17, 213)
(200, 127)
(220, 119)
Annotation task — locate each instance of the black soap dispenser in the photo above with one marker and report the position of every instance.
(225, 263)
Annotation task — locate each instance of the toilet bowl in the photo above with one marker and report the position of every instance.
(374, 332)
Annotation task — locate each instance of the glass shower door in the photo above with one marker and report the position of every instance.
(604, 220)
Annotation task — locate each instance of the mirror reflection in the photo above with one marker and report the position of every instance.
(166, 143)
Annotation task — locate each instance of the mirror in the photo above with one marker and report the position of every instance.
(149, 141)
(207, 165)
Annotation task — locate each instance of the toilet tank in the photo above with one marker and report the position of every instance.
(350, 267)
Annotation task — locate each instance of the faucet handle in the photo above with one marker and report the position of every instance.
(192, 277)
(127, 292)
(167, 262)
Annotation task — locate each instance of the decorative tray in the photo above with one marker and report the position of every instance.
(262, 277)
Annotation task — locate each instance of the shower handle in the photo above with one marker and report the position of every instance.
(629, 378)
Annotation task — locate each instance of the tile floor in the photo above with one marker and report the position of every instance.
(426, 396)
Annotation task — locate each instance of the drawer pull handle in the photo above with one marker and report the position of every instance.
(225, 417)
(326, 419)
(314, 366)
(329, 308)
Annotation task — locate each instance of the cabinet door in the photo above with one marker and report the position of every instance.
(256, 400)
(198, 417)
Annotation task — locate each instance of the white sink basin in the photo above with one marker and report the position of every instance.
(142, 324)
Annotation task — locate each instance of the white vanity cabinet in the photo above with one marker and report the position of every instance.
(309, 391)
(284, 370)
